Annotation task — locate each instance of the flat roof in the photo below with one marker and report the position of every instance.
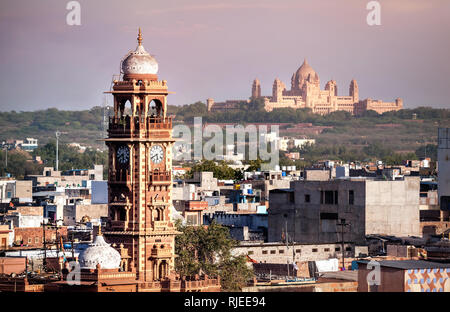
(409, 264)
(282, 191)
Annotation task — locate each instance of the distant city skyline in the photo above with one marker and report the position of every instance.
(208, 48)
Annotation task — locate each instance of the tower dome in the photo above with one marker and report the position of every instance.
(99, 252)
(304, 73)
(139, 63)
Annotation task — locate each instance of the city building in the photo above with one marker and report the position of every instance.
(305, 92)
(444, 168)
(73, 177)
(310, 211)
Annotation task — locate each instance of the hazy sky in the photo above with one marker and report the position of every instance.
(208, 48)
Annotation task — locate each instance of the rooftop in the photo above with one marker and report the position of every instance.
(409, 264)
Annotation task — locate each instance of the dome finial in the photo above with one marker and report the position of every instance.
(139, 37)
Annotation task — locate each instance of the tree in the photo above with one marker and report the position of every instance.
(220, 171)
(207, 249)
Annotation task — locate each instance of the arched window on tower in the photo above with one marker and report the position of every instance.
(155, 109)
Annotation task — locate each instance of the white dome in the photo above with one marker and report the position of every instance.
(139, 61)
(99, 252)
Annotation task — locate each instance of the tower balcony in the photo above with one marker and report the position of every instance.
(120, 176)
(160, 177)
(117, 225)
(138, 127)
(161, 253)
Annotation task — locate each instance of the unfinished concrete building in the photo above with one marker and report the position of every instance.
(310, 211)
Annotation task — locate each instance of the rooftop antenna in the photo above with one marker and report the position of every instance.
(57, 134)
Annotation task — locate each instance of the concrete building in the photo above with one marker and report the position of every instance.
(444, 168)
(310, 210)
(74, 177)
(73, 214)
(21, 190)
(279, 253)
(5, 236)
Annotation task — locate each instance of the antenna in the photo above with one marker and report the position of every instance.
(58, 134)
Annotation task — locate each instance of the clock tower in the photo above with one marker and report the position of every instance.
(140, 144)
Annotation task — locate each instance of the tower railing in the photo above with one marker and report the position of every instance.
(120, 175)
(135, 127)
(160, 176)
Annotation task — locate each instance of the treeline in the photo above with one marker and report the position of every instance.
(254, 112)
(372, 152)
(21, 163)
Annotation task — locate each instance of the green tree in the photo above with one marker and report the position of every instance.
(207, 250)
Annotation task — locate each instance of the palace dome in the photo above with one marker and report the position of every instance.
(99, 252)
(139, 62)
(304, 73)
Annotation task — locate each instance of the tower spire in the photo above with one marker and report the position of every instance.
(139, 38)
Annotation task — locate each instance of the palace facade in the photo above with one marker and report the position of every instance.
(305, 92)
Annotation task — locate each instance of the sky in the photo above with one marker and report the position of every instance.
(209, 48)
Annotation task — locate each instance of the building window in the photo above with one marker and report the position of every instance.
(329, 197)
(272, 252)
(326, 249)
(264, 252)
(29, 240)
(351, 197)
(307, 198)
(348, 249)
(281, 251)
(36, 240)
(292, 197)
(336, 197)
(299, 251)
(250, 252)
(314, 250)
(328, 216)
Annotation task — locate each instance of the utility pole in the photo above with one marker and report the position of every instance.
(45, 247)
(293, 243)
(57, 134)
(287, 247)
(73, 251)
(342, 224)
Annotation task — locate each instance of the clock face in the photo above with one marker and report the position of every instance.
(156, 154)
(123, 154)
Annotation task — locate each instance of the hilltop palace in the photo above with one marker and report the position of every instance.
(305, 92)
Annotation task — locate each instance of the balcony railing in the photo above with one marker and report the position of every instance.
(138, 126)
(120, 176)
(117, 225)
(160, 177)
(158, 252)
